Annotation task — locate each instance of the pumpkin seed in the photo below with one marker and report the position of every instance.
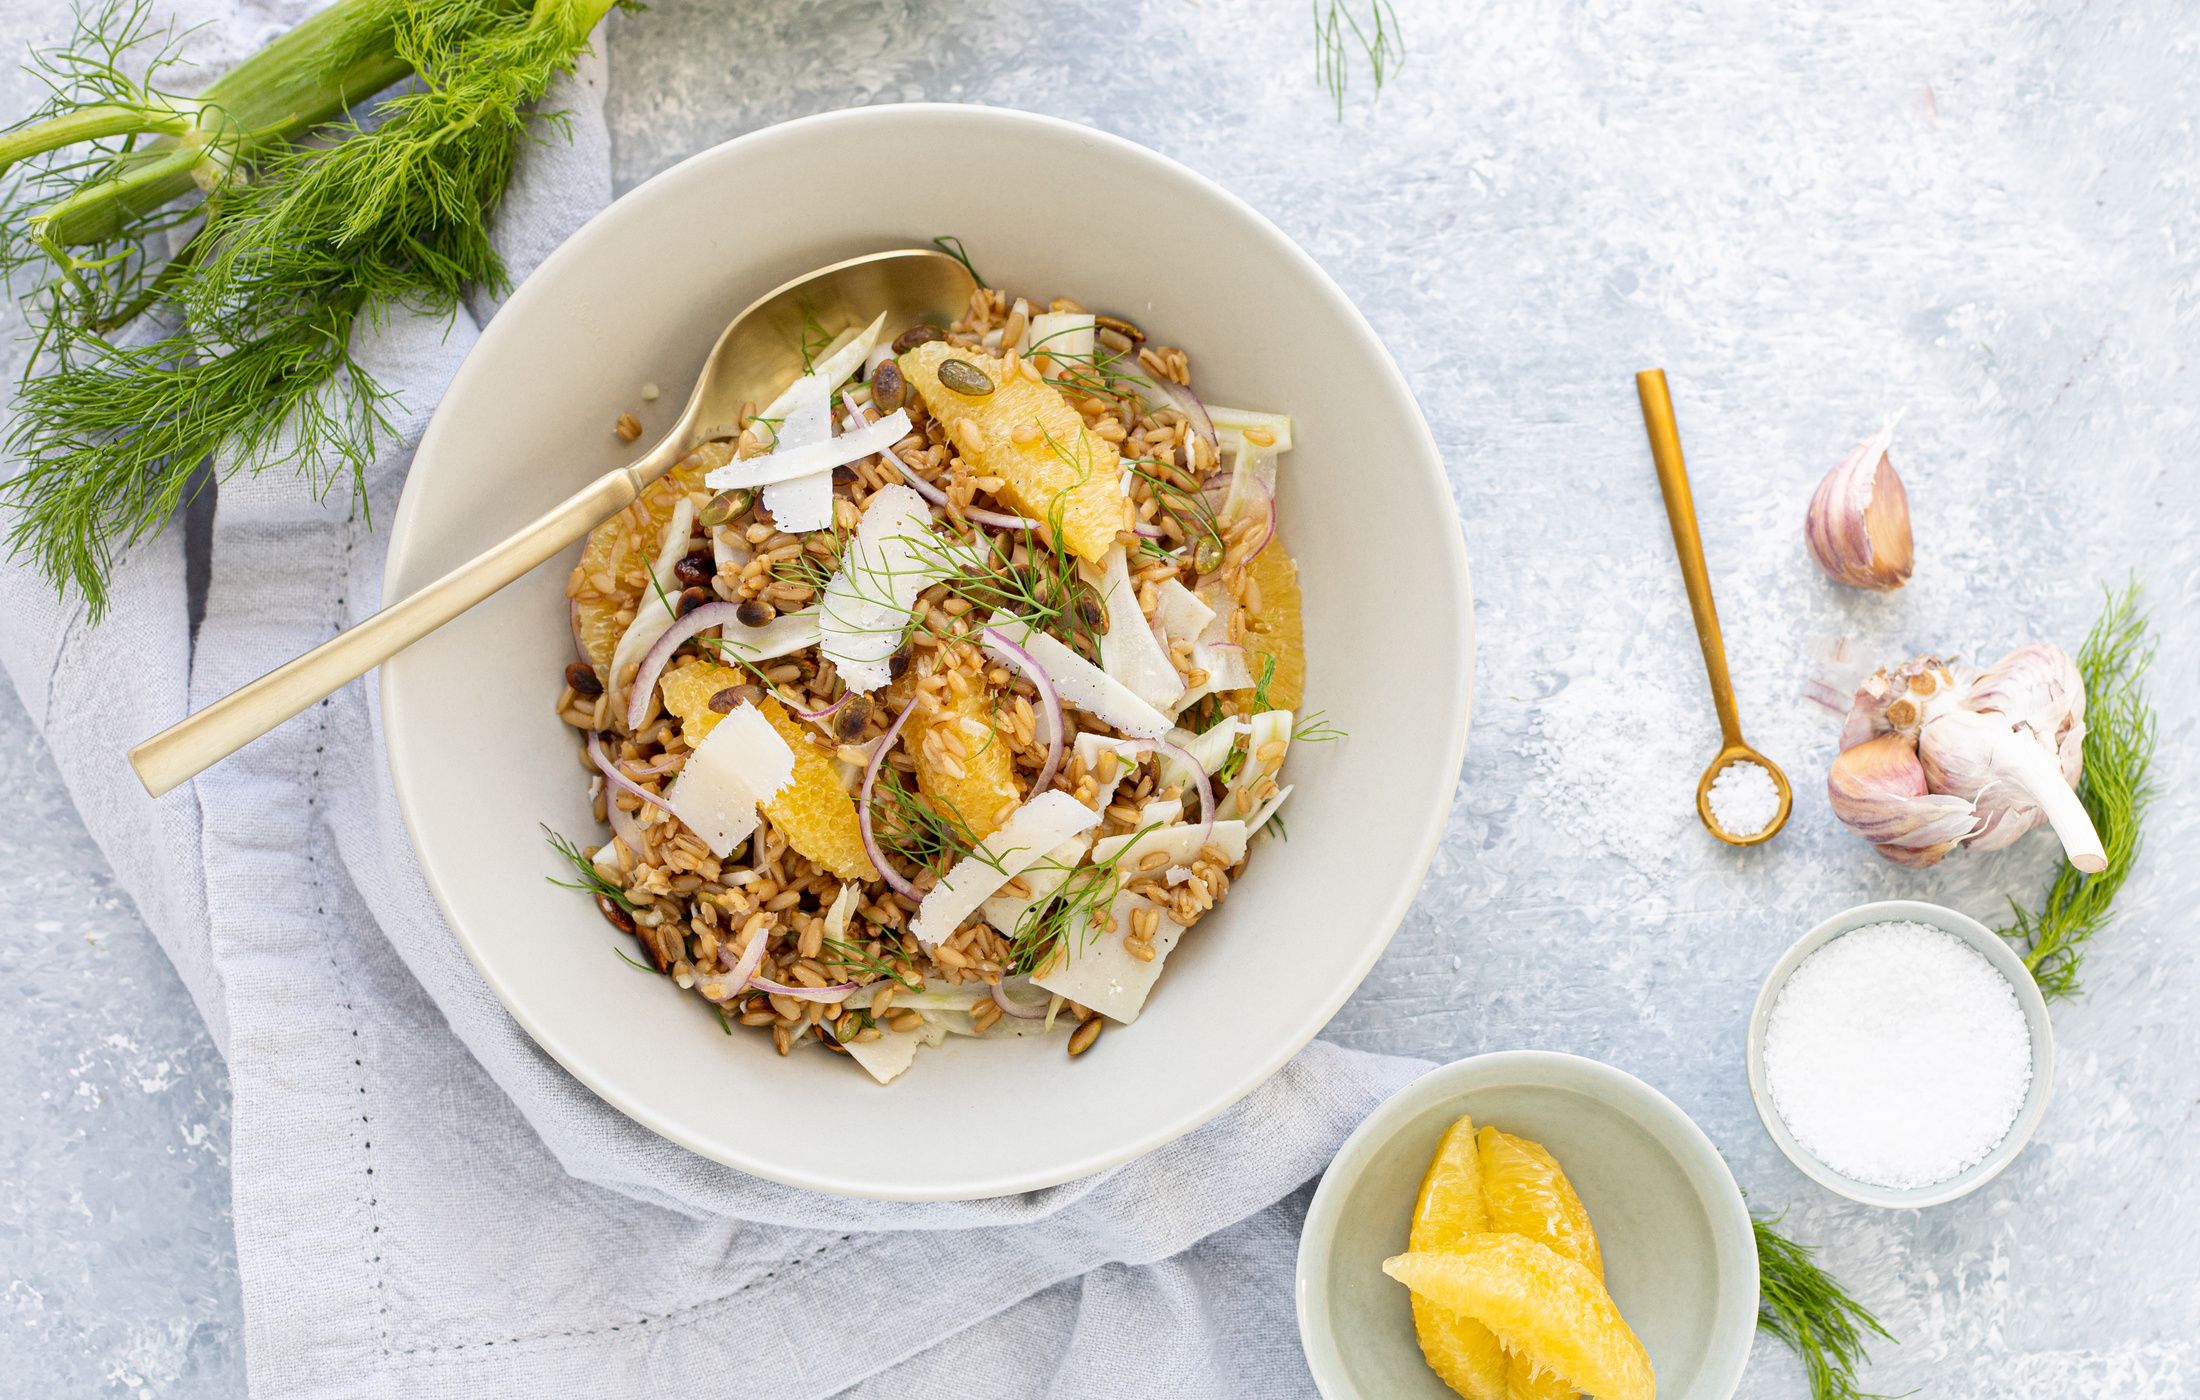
(965, 378)
(755, 612)
(724, 701)
(1121, 327)
(910, 339)
(726, 505)
(1208, 556)
(848, 725)
(582, 677)
(690, 599)
(887, 387)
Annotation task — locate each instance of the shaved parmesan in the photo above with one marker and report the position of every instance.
(1005, 911)
(1128, 649)
(801, 464)
(1078, 682)
(741, 763)
(799, 493)
(893, 557)
(894, 1051)
(1103, 974)
(1030, 832)
(1179, 612)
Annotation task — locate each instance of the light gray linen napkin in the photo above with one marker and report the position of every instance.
(425, 1203)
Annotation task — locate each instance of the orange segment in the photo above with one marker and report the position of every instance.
(1277, 627)
(814, 812)
(1059, 468)
(596, 625)
(1546, 1308)
(1462, 1352)
(984, 792)
(1527, 1194)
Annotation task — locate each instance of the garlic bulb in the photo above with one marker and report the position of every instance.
(1935, 756)
(1858, 528)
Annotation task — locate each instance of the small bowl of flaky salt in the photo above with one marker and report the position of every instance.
(1900, 1054)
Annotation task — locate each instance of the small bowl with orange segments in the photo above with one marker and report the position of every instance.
(1533, 1220)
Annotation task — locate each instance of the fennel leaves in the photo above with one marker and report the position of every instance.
(295, 245)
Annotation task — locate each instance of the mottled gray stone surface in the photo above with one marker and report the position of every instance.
(1978, 213)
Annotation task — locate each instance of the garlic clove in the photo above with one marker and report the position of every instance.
(1879, 791)
(1858, 526)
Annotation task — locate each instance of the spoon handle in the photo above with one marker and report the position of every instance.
(189, 747)
(1680, 512)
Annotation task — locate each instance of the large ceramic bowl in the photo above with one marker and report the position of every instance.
(637, 296)
(1679, 1255)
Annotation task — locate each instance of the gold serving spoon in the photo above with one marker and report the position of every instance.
(1680, 512)
(759, 353)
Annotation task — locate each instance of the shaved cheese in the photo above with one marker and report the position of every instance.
(784, 635)
(1180, 613)
(894, 1051)
(798, 491)
(801, 464)
(1180, 843)
(1103, 974)
(1129, 650)
(1160, 814)
(741, 763)
(796, 477)
(1045, 880)
(1032, 830)
(1078, 682)
(893, 557)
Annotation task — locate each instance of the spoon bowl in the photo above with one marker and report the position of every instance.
(1738, 753)
(761, 351)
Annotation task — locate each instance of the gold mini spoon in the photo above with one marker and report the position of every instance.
(1680, 512)
(759, 353)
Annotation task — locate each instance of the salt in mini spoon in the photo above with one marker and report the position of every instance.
(1680, 512)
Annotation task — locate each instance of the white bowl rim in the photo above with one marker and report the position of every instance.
(561, 1049)
(1730, 1223)
(2005, 961)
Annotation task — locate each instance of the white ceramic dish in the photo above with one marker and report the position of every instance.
(2029, 1000)
(1680, 1257)
(638, 295)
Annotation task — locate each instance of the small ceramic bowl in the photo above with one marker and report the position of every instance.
(1679, 1255)
(2007, 963)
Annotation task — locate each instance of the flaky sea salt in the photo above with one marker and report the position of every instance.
(1897, 1055)
(1744, 799)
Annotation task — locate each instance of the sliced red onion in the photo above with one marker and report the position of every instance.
(621, 781)
(976, 515)
(1268, 497)
(653, 665)
(1147, 530)
(898, 882)
(742, 969)
(1025, 662)
(1187, 403)
(1215, 490)
(839, 992)
(1199, 779)
(829, 711)
(1022, 1011)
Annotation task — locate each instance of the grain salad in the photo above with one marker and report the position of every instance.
(947, 696)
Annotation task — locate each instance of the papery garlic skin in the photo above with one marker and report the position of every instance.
(1877, 788)
(1858, 526)
(2004, 746)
